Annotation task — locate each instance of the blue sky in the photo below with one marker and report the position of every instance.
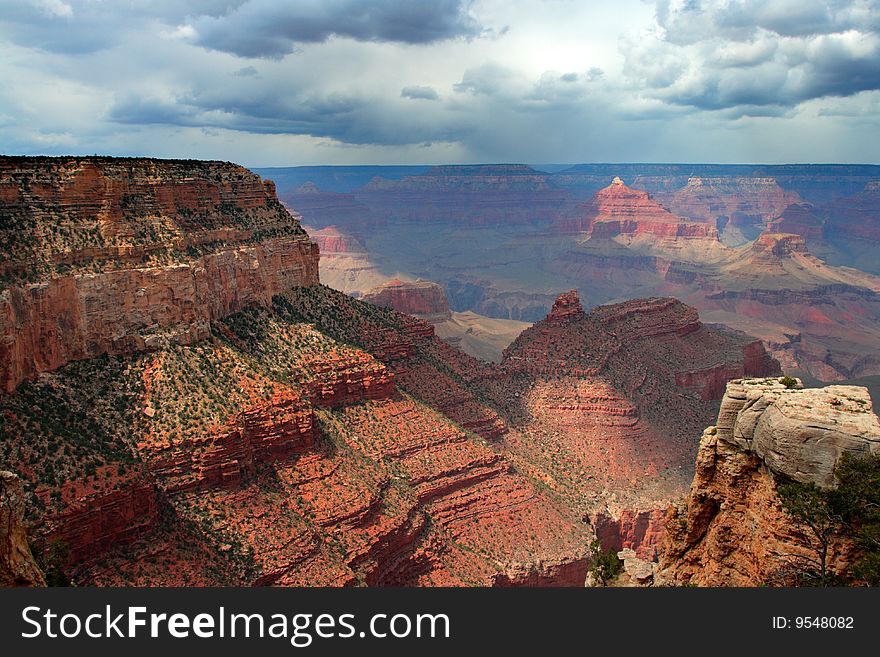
(273, 83)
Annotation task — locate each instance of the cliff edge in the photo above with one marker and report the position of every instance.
(114, 255)
(17, 565)
(731, 529)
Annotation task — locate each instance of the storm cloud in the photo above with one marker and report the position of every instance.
(420, 93)
(268, 28)
(272, 82)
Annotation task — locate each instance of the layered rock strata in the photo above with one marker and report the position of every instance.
(731, 529)
(130, 254)
(423, 299)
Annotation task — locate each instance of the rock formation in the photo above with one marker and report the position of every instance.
(799, 219)
(609, 401)
(112, 256)
(798, 433)
(567, 306)
(423, 299)
(627, 214)
(345, 263)
(640, 531)
(17, 565)
(739, 207)
(731, 529)
(780, 292)
(93, 523)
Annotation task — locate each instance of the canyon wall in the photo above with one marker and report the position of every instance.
(129, 254)
(478, 195)
(731, 529)
(17, 565)
(698, 232)
(423, 299)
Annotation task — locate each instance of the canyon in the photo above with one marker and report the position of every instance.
(709, 235)
(186, 402)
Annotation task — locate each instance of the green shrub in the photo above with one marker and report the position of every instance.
(851, 510)
(605, 565)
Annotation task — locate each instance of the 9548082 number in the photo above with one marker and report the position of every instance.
(813, 623)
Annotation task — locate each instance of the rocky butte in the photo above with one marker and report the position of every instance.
(731, 529)
(631, 217)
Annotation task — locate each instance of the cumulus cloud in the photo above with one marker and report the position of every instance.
(747, 57)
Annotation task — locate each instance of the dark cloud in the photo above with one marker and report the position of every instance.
(248, 28)
(419, 93)
(344, 118)
(135, 110)
(689, 21)
(270, 28)
(83, 26)
(165, 76)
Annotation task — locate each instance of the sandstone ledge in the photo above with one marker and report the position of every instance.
(799, 433)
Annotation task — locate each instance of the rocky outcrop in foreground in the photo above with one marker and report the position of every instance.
(17, 565)
(731, 529)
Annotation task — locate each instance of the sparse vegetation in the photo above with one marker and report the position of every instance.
(39, 240)
(849, 511)
(604, 564)
(54, 561)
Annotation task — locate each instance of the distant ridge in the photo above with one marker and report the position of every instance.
(347, 179)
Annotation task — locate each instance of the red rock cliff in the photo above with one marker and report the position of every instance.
(111, 256)
(17, 565)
